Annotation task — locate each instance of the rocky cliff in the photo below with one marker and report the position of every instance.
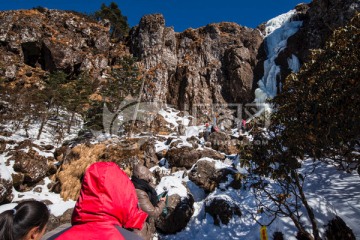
(211, 64)
(217, 63)
(36, 42)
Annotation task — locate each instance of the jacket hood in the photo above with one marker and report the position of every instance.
(142, 172)
(108, 195)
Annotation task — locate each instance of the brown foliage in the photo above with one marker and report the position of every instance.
(72, 172)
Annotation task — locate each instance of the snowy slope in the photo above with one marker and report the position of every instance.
(329, 192)
(59, 206)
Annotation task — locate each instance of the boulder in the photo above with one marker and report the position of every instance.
(222, 210)
(210, 153)
(207, 176)
(337, 229)
(186, 156)
(56, 221)
(160, 125)
(18, 179)
(32, 165)
(179, 213)
(223, 143)
(182, 157)
(194, 141)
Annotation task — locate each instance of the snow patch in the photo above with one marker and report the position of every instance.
(173, 184)
(58, 209)
(4, 172)
(294, 63)
(192, 131)
(171, 116)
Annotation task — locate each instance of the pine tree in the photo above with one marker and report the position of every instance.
(76, 96)
(53, 94)
(125, 80)
(119, 25)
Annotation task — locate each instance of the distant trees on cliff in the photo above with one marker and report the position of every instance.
(119, 24)
(57, 98)
(124, 80)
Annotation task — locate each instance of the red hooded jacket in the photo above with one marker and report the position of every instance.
(107, 198)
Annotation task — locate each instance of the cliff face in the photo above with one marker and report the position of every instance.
(321, 19)
(38, 42)
(218, 63)
(212, 64)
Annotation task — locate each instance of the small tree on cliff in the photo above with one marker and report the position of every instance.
(53, 94)
(125, 80)
(119, 24)
(71, 95)
(77, 94)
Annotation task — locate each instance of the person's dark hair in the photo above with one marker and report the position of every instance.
(17, 222)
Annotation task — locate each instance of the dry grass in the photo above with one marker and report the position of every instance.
(72, 172)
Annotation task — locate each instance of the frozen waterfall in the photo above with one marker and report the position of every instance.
(277, 30)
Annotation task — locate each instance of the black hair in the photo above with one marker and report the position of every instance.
(17, 222)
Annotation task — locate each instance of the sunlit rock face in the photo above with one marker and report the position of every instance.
(37, 41)
(205, 174)
(217, 63)
(211, 64)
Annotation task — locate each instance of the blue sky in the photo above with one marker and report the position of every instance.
(179, 14)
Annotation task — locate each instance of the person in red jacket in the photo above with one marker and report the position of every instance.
(107, 204)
